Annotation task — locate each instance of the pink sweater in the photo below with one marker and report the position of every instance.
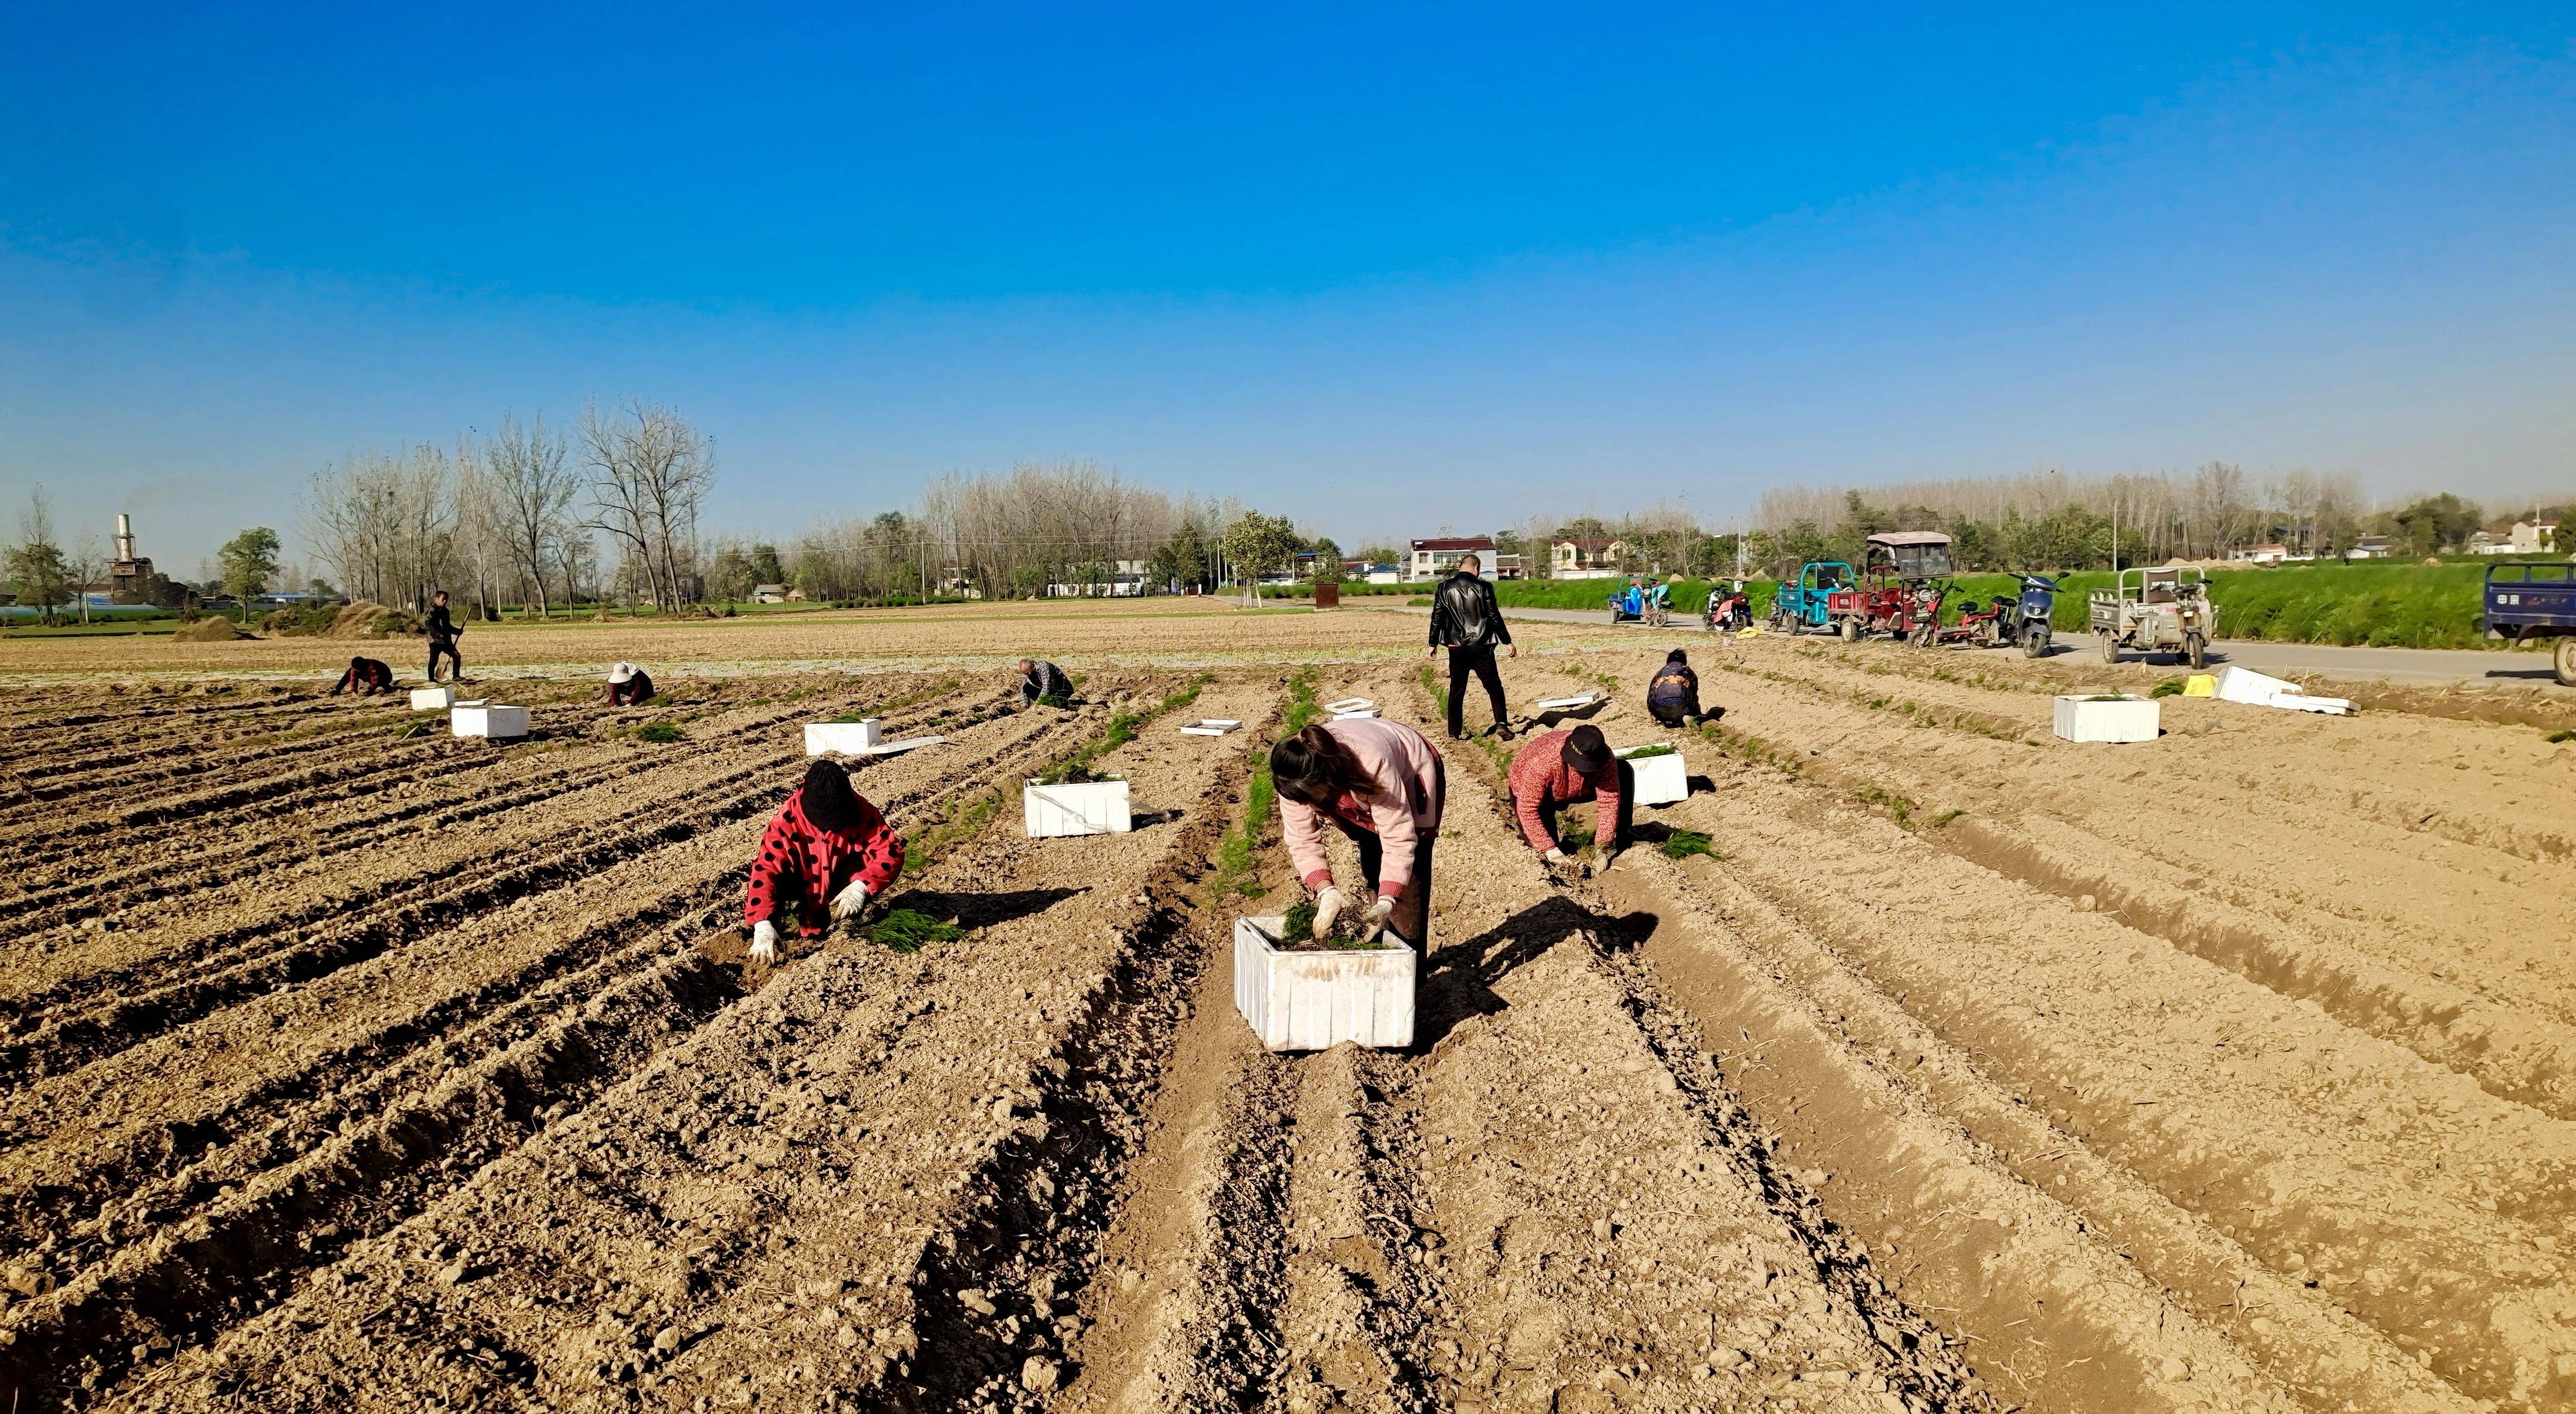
(1400, 804)
(1539, 777)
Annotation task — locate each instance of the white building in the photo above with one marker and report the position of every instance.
(1436, 558)
(1585, 559)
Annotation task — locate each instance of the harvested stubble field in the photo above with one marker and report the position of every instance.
(353, 1070)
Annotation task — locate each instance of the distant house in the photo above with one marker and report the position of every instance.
(2491, 542)
(770, 594)
(1125, 580)
(2535, 537)
(2371, 547)
(1434, 559)
(2262, 554)
(1585, 558)
(1511, 566)
(1382, 573)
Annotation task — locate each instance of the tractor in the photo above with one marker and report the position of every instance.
(1905, 574)
(1803, 603)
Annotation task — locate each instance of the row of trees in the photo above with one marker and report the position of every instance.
(512, 517)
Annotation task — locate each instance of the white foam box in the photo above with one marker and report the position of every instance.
(843, 738)
(432, 699)
(1090, 808)
(1351, 707)
(487, 719)
(1310, 1001)
(1661, 780)
(2121, 718)
(1353, 716)
(1564, 704)
(1212, 726)
(2245, 685)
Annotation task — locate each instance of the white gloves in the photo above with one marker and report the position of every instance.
(1328, 907)
(1609, 856)
(764, 940)
(1373, 922)
(850, 902)
(1554, 855)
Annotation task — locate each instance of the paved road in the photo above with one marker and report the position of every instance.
(2425, 665)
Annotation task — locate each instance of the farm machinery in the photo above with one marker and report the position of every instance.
(2160, 609)
(1805, 602)
(1904, 576)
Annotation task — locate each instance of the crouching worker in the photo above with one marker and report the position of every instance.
(628, 685)
(1672, 695)
(1563, 768)
(827, 853)
(1383, 785)
(366, 677)
(1040, 678)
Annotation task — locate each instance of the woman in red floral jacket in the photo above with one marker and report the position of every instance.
(827, 847)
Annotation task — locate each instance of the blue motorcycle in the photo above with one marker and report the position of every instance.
(2026, 619)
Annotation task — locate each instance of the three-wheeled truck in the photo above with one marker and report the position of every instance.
(2533, 599)
(1805, 602)
(1904, 576)
(2155, 609)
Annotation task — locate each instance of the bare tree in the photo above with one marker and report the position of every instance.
(649, 474)
(532, 493)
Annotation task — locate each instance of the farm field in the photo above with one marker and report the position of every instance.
(348, 1067)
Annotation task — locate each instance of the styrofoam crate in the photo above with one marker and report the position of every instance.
(1661, 780)
(1089, 808)
(432, 699)
(1364, 712)
(487, 719)
(1211, 726)
(2120, 718)
(1351, 707)
(1567, 704)
(1310, 1001)
(843, 738)
(2245, 685)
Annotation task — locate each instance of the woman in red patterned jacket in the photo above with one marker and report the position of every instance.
(826, 848)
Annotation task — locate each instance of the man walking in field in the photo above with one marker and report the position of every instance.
(443, 633)
(1469, 623)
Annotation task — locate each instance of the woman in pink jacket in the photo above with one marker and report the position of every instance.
(1383, 785)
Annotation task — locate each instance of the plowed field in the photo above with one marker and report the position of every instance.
(348, 1067)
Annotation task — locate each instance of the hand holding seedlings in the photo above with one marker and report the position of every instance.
(1328, 908)
(850, 902)
(764, 940)
(1373, 922)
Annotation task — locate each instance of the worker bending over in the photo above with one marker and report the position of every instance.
(366, 677)
(1466, 620)
(1382, 784)
(827, 850)
(1561, 768)
(1672, 695)
(628, 685)
(1040, 678)
(443, 634)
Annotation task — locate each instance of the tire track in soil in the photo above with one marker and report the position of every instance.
(2225, 1099)
(262, 946)
(908, 1023)
(2287, 907)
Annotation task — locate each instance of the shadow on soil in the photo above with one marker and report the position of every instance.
(1460, 980)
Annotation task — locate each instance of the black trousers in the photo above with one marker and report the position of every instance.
(1412, 917)
(1674, 714)
(1479, 661)
(455, 665)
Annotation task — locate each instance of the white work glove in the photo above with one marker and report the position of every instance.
(1609, 857)
(850, 902)
(764, 940)
(1328, 907)
(1373, 922)
(1553, 855)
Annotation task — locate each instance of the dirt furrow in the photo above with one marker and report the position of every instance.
(2233, 1102)
(859, 1105)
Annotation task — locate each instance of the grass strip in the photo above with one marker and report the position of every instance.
(1235, 874)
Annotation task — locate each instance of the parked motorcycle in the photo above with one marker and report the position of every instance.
(2025, 620)
(1728, 612)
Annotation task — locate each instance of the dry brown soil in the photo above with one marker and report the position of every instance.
(344, 1067)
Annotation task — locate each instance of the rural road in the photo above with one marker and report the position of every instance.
(2419, 665)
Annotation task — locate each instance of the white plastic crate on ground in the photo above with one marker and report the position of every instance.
(1661, 780)
(1310, 1001)
(843, 738)
(2255, 689)
(1089, 808)
(487, 719)
(2119, 717)
(432, 699)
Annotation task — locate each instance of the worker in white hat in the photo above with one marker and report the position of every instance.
(628, 685)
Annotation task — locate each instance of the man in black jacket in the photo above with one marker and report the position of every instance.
(1466, 620)
(442, 639)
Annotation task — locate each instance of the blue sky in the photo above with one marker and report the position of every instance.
(1386, 270)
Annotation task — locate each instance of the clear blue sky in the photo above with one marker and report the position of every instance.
(1382, 269)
